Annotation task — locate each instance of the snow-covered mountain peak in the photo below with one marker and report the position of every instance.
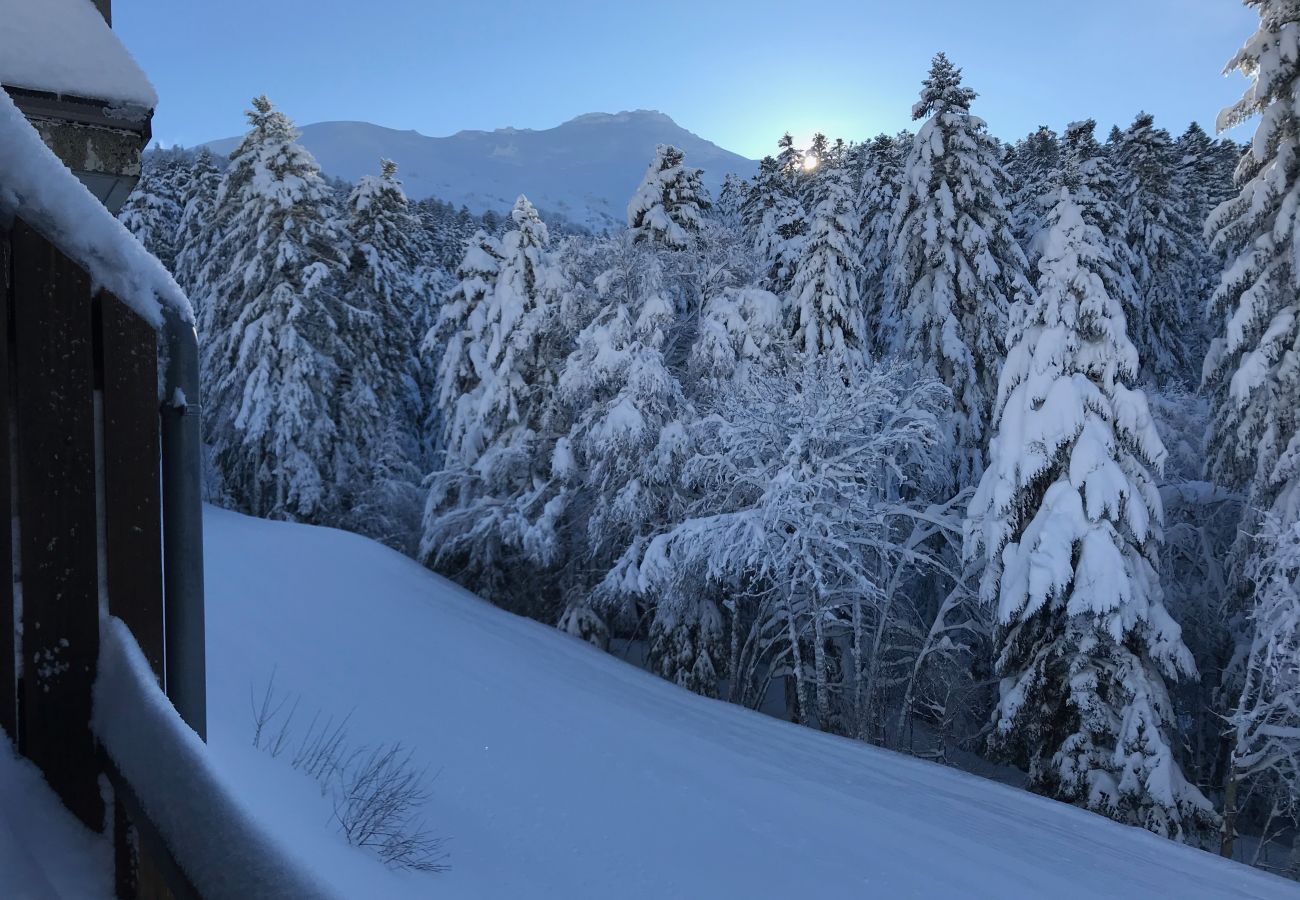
(648, 116)
(584, 169)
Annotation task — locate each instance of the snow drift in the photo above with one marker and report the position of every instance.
(564, 772)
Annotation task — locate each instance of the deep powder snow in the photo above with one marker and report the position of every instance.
(564, 772)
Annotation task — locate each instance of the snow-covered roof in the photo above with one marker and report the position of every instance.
(66, 47)
(43, 192)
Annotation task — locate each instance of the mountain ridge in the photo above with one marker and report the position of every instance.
(584, 169)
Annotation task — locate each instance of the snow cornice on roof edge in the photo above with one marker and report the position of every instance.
(65, 47)
(39, 189)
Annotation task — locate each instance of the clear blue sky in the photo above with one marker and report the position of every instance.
(738, 72)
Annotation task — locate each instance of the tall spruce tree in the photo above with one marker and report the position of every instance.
(1165, 322)
(825, 308)
(486, 516)
(1033, 167)
(956, 267)
(378, 442)
(782, 221)
(1095, 190)
(456, 343)
(880, 174)
(272, 353)
(1201, 185)
(506, 329)
(1069, 518)
(730, 208)
(1252, 373)
(1265, 722)
(668, 205)
(1252, 369)
(195, 233)
(621, 457)
(153, 211)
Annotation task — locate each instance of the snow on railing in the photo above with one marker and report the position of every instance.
(222, 848)
(38, 188)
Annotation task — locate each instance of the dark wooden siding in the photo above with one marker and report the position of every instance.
(79, 475)
(58, 534)
(8, 684)
(132, 502)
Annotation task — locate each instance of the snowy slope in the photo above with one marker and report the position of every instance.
(585, 169)
(566, 773)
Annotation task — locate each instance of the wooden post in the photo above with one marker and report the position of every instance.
(127, 358)
(54, 370)
(8, 683)
(132, 501)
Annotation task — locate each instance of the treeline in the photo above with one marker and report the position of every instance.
(909, 436)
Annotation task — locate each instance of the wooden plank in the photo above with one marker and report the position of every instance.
(8, 680)
(132, 498)
(54, 382)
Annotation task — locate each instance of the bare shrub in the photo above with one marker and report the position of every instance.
(378, 791)
(383, 791)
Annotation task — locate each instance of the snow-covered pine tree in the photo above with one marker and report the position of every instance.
(1069, 518)
(1266, 721)
(1226, 155)
(825, 308)
(153, 211)
(758, 197)
(730, 208)
(1205, 173)
(1033, 167)
(782, 221)
(880, 173)
(813, 164)
(741, 328)
(1197, 168)
(1200, 184)
(457, 342)
(195, 233)
(486, 515)
(1201, 521)
(621, 457)
(1251, 370)
(789, 160)
(667, 206)
(272, 353)
(1096, 192)
(515, 318)
(378, 460)
(1165, 323)
(818, 153)
(956, 267)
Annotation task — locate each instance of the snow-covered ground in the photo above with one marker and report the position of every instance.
(44, 851)
(565, 772)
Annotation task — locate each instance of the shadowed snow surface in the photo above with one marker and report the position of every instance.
(564, 772)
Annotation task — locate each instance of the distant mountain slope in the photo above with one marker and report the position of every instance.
(585, 169)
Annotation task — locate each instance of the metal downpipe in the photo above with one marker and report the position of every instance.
(182, 513)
